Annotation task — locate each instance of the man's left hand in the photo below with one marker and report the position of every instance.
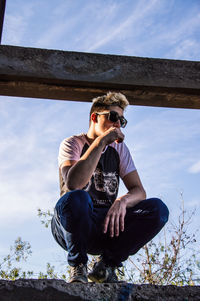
(114, 220)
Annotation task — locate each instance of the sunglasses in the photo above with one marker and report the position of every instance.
(114, 117)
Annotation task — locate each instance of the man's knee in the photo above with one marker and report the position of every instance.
(79, 197)
(160, 210)
(73, 208)
(74, 201)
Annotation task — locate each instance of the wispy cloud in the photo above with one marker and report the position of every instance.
(31, 131)
(174, 37)
(16, 23)
(183, 39)
(120, 28)
(195, 168)
(61, 30)
(14, 31)
(72, 27)
(162, 143)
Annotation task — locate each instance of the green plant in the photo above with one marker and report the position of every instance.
(19, 251)
(171, 259)
(45, 217)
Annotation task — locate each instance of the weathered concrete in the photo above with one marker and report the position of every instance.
(31, 290)
(53, 74)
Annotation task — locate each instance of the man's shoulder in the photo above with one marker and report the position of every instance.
(71, 148)
(79, 138)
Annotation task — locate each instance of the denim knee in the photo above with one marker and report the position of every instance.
(162, 212)
(76, 201)
(80, 199)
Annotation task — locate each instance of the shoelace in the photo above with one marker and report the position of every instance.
(78, 270)
(120, 272)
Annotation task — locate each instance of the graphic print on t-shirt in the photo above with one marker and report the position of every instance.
(104, 183)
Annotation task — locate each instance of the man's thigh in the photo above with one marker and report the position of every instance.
(148, 209)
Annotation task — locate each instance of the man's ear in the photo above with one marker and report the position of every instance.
(94, 117)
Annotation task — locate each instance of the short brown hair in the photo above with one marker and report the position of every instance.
(101, 103)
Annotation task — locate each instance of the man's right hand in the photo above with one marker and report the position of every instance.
(111, 135)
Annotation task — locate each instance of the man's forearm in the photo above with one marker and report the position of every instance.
(80, 173)
(133, 197)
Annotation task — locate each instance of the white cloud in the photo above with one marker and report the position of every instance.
(195, 168)
(162, 144)
(194, 203)
(184, 43)
(72, 27)
(16, 22)
(31, 131)
(120, 28)
(14, 31)
(165, 37)
(59, 30)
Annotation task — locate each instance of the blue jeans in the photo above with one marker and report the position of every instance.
(78, 227)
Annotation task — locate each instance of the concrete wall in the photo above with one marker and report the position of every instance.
(58, 290)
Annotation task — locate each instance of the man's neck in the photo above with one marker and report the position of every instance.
(91, 136)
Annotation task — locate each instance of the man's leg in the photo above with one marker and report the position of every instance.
(71, 225)
(142, 223)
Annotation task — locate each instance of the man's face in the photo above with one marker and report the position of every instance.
(103, 124)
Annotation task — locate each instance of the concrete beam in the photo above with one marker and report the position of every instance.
(77, 76)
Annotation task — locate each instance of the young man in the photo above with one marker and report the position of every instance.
(90, 218)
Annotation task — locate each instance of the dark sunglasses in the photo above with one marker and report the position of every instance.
(114, 117)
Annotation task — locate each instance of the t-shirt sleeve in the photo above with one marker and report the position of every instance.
(126, 162)
(70, 149)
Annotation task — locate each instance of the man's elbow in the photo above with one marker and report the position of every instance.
(72, 185)
(144, 195)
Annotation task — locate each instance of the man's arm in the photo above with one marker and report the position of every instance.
(77, 174)
(114, 221)
(136, 192)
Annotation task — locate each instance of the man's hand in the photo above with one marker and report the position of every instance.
(111, 135)
(114, 220)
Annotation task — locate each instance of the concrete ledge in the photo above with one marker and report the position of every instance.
(32, 289)
(64, 75)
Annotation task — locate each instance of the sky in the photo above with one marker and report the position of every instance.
(164, 142)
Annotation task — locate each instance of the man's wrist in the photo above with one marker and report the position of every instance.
(123, 200)
(101, 141)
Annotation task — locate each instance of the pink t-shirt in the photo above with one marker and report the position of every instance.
(114, 162)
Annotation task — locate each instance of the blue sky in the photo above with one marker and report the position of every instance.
(164, 142)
